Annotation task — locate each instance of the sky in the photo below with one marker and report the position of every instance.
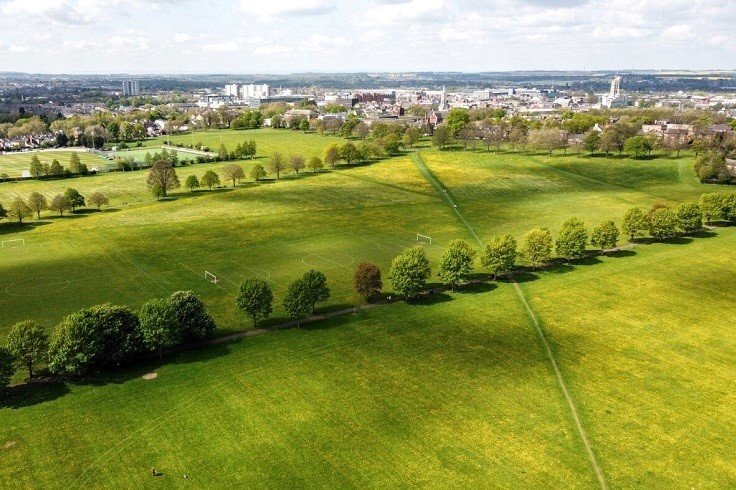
(293, 36)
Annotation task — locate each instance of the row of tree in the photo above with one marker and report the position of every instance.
(105, 336)
(36, 202)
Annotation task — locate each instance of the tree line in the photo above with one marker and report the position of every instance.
(36, 202)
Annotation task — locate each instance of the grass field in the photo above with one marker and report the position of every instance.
(453, 392)
(14, 164)
(447, 394)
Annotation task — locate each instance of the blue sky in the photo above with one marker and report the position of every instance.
(285, 36)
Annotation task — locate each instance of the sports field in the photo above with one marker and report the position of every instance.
(455, 391)
(15, 163)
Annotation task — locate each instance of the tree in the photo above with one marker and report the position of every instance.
(98, 199)
(255, 298)
(56, 169)
(19, 209)
(572, 239)
(296, 162)
(28, 343)
(457, 119)
(59, 203)
(276, 164)
(158, 325)
(304, 125)
(257, 172)
(456, 263)
(315, 163)
(441, 137)
(711, 207)
(222, 153)
(592, 142)
(191, 183)
(3, 212)
(162, 177)
(499, 256)
(634, 221)
(298, 300)
(367, 279)
(689, 216)
(537, 246)
(37, 202)
(210, 179)
(98, 337)
(349, 152)
(638, 145)
(605, 235)
(7, 367)
(409, 271)
(332, 155)
(75, 199)
(233, 172)
(317, 288)
(547, 139)
(662, 222)
(36, 168)
(193, 320)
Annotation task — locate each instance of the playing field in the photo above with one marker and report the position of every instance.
(15, 163)
(457, 391)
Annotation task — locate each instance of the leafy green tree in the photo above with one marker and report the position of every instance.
(662, 222)
(36, 168)
(729, 207)
(537, 246)
(257, 172)
(7, 367)
(298, 300)
(98, 199)
(304, 125)
(605, 235)
(689, 216)
(441, 137)
(638, 146)
(634, 222)
(210, 179)
(37, 202)
(316, 283)
(456, 263)
(277, 164)
(409, 271)
(592, 142)
(19, 210)
(59, 203)
(315, 163)
(28, 343)
(296, 162)
(255, 298)
(457, 119)
(76, 200)
(222, 153)
(500, 255)
(98, 337)
(367, 279)
(162, 177)
(159, 325)
(3, 212)
(193, 320)
(191, 183)
(572, 239)
(349, 152)
(56, 169)
(547, 139)
(332, 155)
(711, 207)
(233, 172)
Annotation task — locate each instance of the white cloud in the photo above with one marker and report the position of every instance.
(224, 47)
(677, 33)
(284, 8)
(181, 37)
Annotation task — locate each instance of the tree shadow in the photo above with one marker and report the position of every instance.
(15, 227)
(521, 276)
(33, 393)
(430, 298)
(704, 234)
(620, 253)
(478, 288)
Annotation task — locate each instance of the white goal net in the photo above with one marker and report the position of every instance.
(210, 277)
(424, 239)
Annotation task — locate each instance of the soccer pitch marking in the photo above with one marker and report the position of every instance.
(345, 260)
(45, 288)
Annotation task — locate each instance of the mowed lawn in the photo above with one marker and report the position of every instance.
(451, 394)
(15, 163)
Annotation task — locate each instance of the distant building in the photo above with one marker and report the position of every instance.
(131, 87)
(614, 98)
(249, 91)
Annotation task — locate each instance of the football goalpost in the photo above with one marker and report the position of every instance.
(13, 243)
(424, 239)
(210, 277)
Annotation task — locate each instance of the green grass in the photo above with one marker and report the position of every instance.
(13, 164)
(453, 392)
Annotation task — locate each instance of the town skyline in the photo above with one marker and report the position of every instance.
(322, 36)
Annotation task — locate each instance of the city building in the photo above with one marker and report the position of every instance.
(614, 98)
(131, 87)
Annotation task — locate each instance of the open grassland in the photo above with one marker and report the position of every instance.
(450, 394)
(512, 192)
(13, 164)
(454, 392)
